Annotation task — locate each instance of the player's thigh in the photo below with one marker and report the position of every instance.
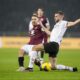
(38, 47)
(27, 48)
(33, 54)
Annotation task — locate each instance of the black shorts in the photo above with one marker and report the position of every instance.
(51, 48)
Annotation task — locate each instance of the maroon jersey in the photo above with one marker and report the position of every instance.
(36, 35)
(44, 21)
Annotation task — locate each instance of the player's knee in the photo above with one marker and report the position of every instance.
(21, 53)
(34, 48)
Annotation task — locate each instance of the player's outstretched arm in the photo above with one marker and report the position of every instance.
(45, 29)
(70, 24)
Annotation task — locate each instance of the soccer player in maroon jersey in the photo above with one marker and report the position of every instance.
(45, 22)
(36, 37)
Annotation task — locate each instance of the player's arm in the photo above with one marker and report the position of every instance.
(48, 27)
(45, 29)
(70, 24)
(47, 24)
(30, 27)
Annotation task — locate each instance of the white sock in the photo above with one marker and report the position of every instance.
(41, 60)
(33, 55)
(31, 63)
(69, 68)
(63, 67)
(60, 67)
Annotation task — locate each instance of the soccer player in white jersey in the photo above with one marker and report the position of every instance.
(56, 36)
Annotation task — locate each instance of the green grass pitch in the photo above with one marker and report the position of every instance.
(9, 64)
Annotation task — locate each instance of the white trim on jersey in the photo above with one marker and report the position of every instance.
(48, 23)
(30, 26)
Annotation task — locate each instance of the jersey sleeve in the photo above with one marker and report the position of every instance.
(30, 26)
(65, 23)
(48, 23)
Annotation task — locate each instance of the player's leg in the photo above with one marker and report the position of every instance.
(32, 56)
(52, 49)
(21, 60)
(63, 67)
(60, 66)
(39, 60)
(39, 47)
(53, 59)
(42, 56)
(49, 48)
(53, 62)
(22, 51)
(21, 57)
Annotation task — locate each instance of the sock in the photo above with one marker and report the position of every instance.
(63, 67)
(33, 55)
(69, 68)
(60, 67)
(31, 62)
(21, 61)
(41, 60)
(42, 54)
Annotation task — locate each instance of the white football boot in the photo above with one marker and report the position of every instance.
(21, 69)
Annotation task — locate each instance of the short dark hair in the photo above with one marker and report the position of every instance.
(59, 12)
(34, 14)
(40, 8)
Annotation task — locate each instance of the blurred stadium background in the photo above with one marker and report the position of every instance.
(14, 19)
(15, 15)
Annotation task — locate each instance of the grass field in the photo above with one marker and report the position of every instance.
(9, 64)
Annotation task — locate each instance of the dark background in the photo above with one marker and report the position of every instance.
(15, 15)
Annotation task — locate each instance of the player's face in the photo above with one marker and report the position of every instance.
(40, 12)
(34, 20)
(58, 17)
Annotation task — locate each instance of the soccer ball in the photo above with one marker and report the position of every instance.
(46, 66)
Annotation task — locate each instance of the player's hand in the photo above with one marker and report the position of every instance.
(41, 23)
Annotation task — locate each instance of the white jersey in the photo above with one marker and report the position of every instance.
(58, 31)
